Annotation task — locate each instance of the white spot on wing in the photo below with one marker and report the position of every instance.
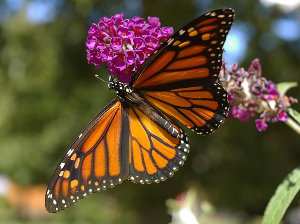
(62, 165)
(70, 152)
(181, 32)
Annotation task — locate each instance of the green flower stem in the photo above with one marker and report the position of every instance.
(294, 125)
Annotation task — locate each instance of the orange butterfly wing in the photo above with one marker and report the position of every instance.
(181, 79)
(157, 146)
(96, 160)
(200, 108)
(122, 142)
(193, 54)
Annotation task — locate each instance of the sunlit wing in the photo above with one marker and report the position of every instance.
(192, 55)
(122, 142)
(95, 161)
(200, 108)
(157, 147)
(181, 79)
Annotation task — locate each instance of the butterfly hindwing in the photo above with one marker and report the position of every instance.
(192, 58)
(157, 147)
(200, 108)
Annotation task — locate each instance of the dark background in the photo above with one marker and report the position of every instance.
(48, 93)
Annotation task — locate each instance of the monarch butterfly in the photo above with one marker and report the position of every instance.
(138, 135)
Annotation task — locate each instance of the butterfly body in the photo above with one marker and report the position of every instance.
(122, 89)
(128, 97)
(138, 136)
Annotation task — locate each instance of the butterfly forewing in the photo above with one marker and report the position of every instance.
(96, 160)
(191, 58)
(193, 54)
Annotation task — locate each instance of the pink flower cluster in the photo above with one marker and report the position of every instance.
(124, 44)
(250, 94)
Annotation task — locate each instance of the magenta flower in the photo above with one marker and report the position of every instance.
(282, 116)
(124, 44)
(250, 95)
(261, 125)
(240, 113)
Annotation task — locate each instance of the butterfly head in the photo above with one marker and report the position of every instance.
(122, 89)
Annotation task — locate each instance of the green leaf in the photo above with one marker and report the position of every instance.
(282, 198)
(283, 87)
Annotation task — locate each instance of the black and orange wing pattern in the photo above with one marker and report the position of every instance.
(181, 79)
(95, 161)
(157, 146)
(141, 142)
(122, 142)
(201, 108)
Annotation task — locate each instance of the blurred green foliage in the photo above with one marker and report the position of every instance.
(49, 93)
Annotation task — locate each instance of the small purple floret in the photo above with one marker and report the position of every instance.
(240, 113)
(282, 116)
(123, 44)
(261, 125)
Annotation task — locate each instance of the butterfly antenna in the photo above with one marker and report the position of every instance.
(98, 77)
